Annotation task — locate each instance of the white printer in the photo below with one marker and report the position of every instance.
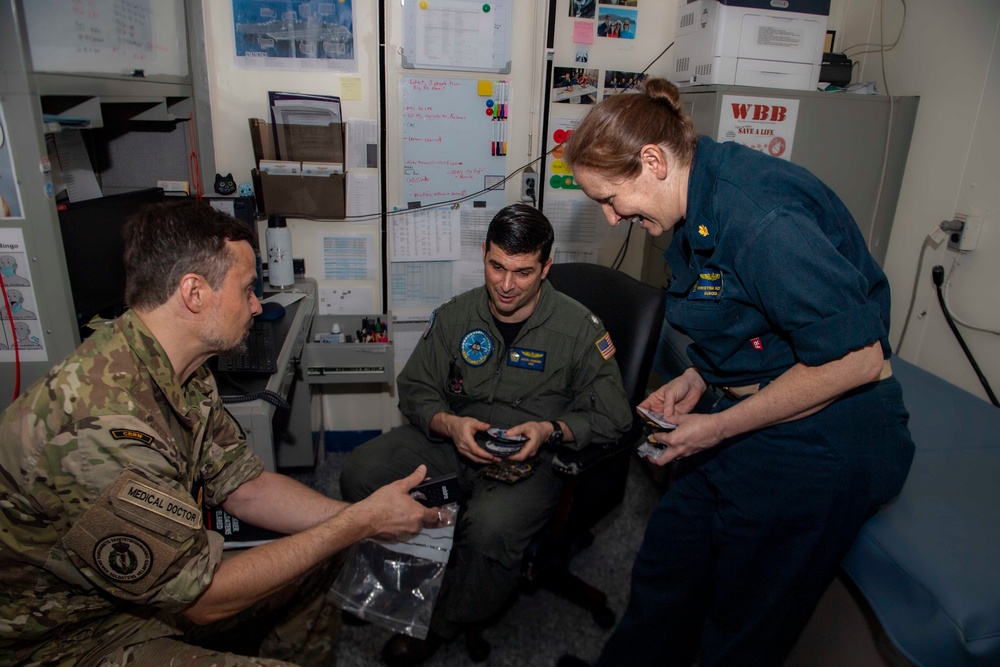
(767, 43)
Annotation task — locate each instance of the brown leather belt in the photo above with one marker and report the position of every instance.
(736, 393)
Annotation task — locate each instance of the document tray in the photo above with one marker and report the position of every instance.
(340, 363)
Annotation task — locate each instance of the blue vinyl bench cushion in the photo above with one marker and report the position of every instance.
(928, 563)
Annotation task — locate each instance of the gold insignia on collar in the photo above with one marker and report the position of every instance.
(703, 230)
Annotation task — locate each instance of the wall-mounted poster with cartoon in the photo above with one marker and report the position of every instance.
(10, 195)
(19, 323)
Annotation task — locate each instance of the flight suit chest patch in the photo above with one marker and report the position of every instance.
(476, 347)
(521, 357)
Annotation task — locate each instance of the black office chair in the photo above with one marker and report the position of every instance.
(632, 312)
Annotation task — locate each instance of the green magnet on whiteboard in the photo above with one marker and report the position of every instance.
(486, 8)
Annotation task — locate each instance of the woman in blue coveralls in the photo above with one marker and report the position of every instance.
(789, 316)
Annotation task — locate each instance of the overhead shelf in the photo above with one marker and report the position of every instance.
(75, 102)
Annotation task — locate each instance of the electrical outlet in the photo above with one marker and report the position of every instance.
(955, 235)
(529, 185)
(970, 234)
(967, 238)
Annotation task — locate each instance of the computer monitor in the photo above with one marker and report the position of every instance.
(93, 243)
(241, 208)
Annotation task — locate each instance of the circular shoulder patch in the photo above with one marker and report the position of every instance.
(123, 558)
(477, 346)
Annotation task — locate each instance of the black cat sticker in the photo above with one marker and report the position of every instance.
(225, 185)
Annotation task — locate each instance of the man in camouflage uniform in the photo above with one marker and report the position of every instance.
(513, 354)
(104, 465)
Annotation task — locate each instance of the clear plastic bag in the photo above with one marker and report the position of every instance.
(395, 584)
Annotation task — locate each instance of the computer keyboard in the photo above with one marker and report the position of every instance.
(261, 355)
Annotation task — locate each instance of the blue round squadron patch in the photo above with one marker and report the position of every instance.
(477, 346)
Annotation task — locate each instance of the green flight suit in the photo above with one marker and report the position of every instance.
(559, 367)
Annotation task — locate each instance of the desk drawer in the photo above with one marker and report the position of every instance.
(333, 363)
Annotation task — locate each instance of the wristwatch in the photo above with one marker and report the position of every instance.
(557, 435)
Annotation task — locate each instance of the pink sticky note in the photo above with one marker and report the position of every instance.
(583, 32)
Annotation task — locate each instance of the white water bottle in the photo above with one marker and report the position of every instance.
(280, 272)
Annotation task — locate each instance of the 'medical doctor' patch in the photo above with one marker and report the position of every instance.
(164, 504)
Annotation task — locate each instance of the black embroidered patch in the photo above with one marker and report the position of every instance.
(128, 434)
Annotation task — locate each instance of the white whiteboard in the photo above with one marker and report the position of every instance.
(447, 140)
(107, 36)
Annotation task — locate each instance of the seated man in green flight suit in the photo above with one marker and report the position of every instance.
(514, 354)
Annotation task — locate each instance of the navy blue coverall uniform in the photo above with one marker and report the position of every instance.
(769, 270)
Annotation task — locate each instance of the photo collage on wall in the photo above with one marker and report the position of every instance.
(594, 20)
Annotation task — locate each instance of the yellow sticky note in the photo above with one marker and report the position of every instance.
(485, 88)
(350, 88)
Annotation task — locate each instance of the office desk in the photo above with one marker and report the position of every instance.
(282, 438)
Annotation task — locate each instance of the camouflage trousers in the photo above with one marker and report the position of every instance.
(297, 626)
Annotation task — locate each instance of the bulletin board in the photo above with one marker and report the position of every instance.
(451, 133)
(108, 36)
(466, 35)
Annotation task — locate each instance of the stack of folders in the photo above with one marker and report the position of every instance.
(290, 167)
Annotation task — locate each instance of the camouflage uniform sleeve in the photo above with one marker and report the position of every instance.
(131, 528)
(227, 460)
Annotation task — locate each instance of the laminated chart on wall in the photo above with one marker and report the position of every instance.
(579, 224)
(21, 325)
(454, 135)
(466, 35)
(448, 244)
(454, 138)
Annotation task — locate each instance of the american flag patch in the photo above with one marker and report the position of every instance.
(606, 347)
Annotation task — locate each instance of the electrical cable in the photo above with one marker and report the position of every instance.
(194, 165)
(459, 200)
(619, 259)
(623, 250)
(449, 202)
(271, 397)
(246, 396)
(888, 131)
(947, 287)
(937, 274)
(656, 58)
(880, 47)
(13, 337)
(383, 152)
(913, 294)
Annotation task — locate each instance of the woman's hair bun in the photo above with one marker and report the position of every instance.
(661, 90)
